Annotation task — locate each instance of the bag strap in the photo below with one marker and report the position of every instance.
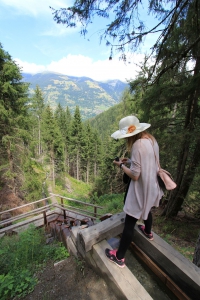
(158, 163)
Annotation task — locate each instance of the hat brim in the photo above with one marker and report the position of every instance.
(119, 135)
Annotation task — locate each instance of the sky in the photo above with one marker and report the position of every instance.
(37, 44)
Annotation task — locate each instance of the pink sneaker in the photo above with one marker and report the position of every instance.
(111, 255)
(148, 235)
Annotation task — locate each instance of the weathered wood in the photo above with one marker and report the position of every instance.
(27, 214)
(37, 220)
(104, 217)
(103, 230)
(71, 247)
(79, 210)
(78, 215)
(182, 272)
(158, 272)
(122, 281)
(77, 201)
(24, 205)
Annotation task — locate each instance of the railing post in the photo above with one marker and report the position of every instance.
(45, 217)
(64, 212)
(95, 211)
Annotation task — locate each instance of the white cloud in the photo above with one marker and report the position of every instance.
(35, 7)
(29, 67)
(79, 65)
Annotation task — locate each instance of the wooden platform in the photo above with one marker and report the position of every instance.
(180, 271)
(183, 273)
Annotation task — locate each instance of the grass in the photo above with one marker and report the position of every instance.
(76, 189)
(180, 232)
(21, 257)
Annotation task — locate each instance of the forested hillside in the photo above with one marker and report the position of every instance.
(92, 97)
(40, 139)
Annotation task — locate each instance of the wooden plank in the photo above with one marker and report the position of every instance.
(27, 214)
(31, 203)
(121, 280)
(27, 222)
(78, 201)
(75, 212)
(103, 230)
(179, 269)
(158, 272)
(81, 210)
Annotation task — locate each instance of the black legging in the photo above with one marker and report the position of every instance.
(128, 233)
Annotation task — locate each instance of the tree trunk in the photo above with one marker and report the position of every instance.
(185, 177)
(53, 172)
(11, 166)
(95, 169)
(87, 172)
(77, 165)
(196, 258)
(174, 207)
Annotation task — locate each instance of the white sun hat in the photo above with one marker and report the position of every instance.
(129, 126)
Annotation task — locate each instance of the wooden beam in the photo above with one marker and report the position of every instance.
(159, 273)
(122, 281)
(79, 209)
(182, 272)
(26, 222)
(75, 212)
(103, 230)
(78, 201)
(24, 205)
(27, 214)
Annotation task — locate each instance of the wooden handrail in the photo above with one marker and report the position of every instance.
(79, 209)
(24, 205)
(73, 211)
(44, 208)
(78, 201)
(27, 214)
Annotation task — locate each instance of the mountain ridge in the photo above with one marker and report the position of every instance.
(92, 97)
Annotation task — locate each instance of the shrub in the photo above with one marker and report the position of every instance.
(20, 257)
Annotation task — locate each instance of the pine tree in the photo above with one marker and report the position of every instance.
(53, 142)
(75, 144)
(13, 114)
(37, 107)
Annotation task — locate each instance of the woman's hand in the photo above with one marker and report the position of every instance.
(126, 161)
(117, 162)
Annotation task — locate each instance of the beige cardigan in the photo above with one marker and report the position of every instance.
(144, 193)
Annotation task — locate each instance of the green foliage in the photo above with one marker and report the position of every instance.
(72, 188)
(175, 232)
(16, 284)
(125, 29)
(34, 176)
(14, 117)
(20, 258)
(111, 203)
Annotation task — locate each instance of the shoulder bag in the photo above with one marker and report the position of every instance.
(165, 179)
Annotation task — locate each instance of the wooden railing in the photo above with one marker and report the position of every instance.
(46, 209)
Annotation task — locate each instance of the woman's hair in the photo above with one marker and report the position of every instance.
(132, 139)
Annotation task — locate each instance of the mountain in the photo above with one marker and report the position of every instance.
(92, 97)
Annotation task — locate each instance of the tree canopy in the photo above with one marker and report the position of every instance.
(126, 28)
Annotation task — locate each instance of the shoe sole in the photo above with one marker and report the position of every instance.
(115, 262)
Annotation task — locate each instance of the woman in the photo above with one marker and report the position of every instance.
(143, 191)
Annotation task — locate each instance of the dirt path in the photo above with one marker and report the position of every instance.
(53, 198)
(70, 280)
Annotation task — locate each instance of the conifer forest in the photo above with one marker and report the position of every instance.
(166, 94)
